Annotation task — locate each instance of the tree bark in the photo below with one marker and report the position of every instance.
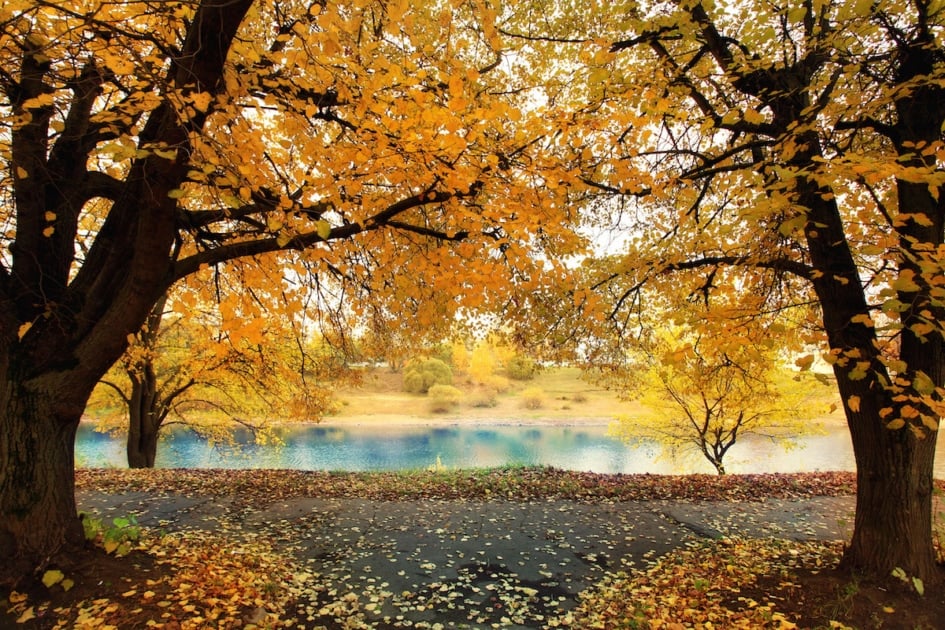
(144, 419)
(40, 524)
(893, 524)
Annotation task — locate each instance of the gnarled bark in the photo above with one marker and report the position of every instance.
(40, 524)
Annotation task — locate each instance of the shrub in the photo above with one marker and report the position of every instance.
(520, 368)
(484, 398)
(498, 383)
(422, 374)
(444, 398)
(533, 398)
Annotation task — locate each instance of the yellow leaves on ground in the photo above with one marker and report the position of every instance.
(215, 582)
(52, 576)
(698, 588)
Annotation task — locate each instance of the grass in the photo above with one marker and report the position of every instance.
(567, 397)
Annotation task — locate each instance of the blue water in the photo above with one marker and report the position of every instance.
(404, 447)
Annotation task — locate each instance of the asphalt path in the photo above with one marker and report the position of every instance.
(470, 564)
(474, 564)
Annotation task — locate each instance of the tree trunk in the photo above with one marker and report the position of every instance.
(144, 419)
(144, 415)
(893, 523)
(40, 523)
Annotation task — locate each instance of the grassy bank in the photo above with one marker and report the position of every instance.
(562, 393)
(566, 397)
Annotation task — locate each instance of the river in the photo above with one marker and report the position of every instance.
(373, 447)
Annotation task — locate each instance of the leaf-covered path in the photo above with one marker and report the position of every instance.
(508, 558)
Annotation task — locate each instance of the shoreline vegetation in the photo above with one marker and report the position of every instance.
(567, 399)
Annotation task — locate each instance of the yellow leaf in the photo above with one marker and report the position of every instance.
(804, 362)
(50, 216)
(274, 223)
(52, 577)
(49, 231)
(27, 615)
(201, 100)
(929, 422)
(67, 584)
(17, 598)
(21, 172)
(24, 328)
(898, 423)
(853, 402)
(110, 546)
(754, 117)
(324, 229)
(906, 282)
(177, 193)
(922, 383)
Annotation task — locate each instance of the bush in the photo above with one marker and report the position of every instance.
(533, 398)
(520, 368)
(498, 383)
(484, 398)
(444, 398)
(422, 374)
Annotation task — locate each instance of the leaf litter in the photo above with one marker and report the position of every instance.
(258, 568)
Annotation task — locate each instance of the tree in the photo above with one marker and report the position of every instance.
(793, 152)
(422, 373)
(192, 371)
(144, 142)
(705, 396)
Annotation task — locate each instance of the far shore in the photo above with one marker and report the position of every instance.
(569, 399)
(460, 419)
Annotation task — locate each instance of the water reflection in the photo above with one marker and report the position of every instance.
(402, 447)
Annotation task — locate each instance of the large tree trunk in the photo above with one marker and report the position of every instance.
(37, 475)
(892, 527)
(893, 523)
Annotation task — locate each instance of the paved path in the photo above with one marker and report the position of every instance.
(456, 564)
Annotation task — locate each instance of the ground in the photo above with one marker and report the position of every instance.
(815, 597)
(221, 580)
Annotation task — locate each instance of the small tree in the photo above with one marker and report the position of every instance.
(520, 368)
(444, 398)
(705, 398)
(422, 374)
(211, 377)
(482, 361)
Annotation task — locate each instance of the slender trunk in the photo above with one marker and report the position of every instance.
(144, 415)
(144, 419)
(37, 479)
